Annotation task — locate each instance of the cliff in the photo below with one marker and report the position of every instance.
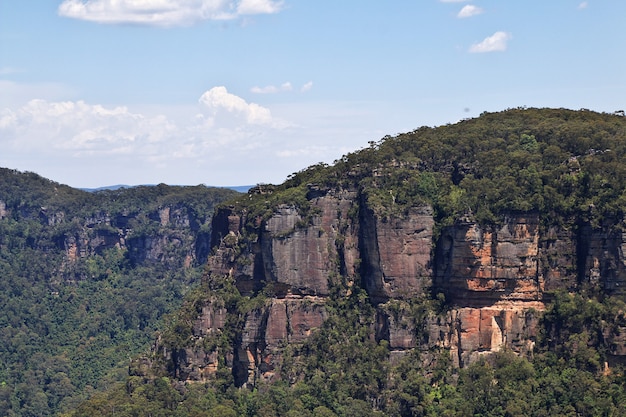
(460, 236)
(493, 277)
(168, 226)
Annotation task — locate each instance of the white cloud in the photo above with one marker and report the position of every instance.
(246, 7)
(496, 42)
(306, 87)
(79, 129)
(164, 12)
(583, 5)
(218, 140)
(272, 89)
(285, 87)
(469, 11)
(219, 99)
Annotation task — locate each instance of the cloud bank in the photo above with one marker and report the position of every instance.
(222, 139)
(164, 13)
(79, 129)
(494, 43)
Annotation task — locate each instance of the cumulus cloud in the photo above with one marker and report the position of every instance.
(218, 99)
(494, 43)
(246, 7)
(306, 87)
(272, 89)
(469, 11)
(164, 12)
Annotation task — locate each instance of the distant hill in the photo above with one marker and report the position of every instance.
(238, 188)
(111, 187)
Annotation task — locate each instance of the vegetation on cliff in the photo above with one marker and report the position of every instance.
(78, 298)
(557, 161)
(342, 371)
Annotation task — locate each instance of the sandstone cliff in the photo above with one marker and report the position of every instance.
(494, 279)
(459, 235)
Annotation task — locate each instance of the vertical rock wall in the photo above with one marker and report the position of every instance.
(495, 278)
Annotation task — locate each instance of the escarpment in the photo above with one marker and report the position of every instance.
(152, 225)
(459, 241)
(496, 280)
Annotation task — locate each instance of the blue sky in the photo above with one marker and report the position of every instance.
(239, 92)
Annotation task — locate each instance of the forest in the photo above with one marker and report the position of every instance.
(69, 324)
(70, 332)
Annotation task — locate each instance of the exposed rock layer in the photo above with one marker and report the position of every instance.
(494, 278)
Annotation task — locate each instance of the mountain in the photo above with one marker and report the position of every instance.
(469, 269)
(85, 278)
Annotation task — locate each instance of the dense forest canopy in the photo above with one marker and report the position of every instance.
(557, 161)
(70, 321)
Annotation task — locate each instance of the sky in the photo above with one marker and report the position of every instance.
(242, 92)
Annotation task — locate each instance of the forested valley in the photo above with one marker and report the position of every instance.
(86, 279)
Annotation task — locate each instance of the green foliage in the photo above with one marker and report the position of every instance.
(341, 370)
(70, 324)
(556, 161)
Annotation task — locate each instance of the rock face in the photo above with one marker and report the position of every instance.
(396, 254)
(170, 236)
(494, 278)
(482, 266)
(295, 259)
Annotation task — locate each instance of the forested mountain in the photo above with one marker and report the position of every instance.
(85, 278)
(468, 269)
(476, 268)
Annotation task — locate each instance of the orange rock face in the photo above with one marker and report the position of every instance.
(493, 277)
(396, 254)
(483, 265)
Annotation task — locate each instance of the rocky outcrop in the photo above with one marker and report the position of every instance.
(602, 260)
(495, 279)
(170, 236)
(396, 253)
(295, 255)
(482, 265)
(268, 330)
(471, 332)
